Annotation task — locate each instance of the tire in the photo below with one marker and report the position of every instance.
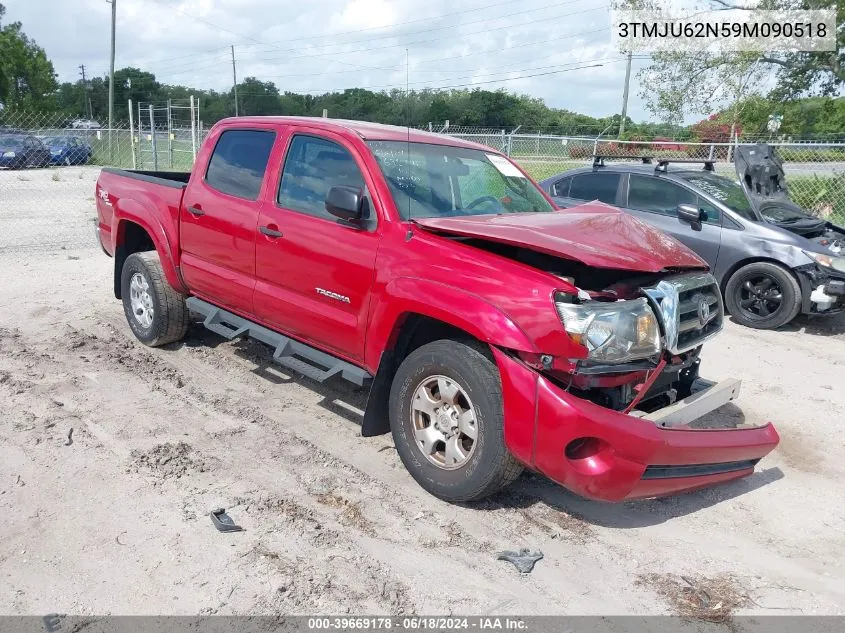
(763, 295)
(486, 465)
(157, 314)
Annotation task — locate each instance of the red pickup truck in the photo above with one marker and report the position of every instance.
(494, 331)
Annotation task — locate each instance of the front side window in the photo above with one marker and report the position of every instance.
(428, 180)
(239, 161)
(714, 216)
(729, 192)
(648, 193)
(312, 167)
(599, 186)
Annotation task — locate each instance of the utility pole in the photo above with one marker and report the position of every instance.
(111, 72)
(85, 99)
(234, 80)
(625, 95)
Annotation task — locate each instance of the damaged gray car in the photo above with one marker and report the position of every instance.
(773, 261)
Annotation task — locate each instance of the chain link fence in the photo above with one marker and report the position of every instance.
(47, 183)
(49, 165)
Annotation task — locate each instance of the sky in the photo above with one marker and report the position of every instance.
(536, 47)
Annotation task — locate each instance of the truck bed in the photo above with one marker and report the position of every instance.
(177, 179)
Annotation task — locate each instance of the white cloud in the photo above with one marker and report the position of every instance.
(305, 46)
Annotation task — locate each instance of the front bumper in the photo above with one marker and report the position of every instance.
(823, 292)
(607, 455)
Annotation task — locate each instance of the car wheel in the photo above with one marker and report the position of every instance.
(763, 295)
(156, 313)
(447, 421)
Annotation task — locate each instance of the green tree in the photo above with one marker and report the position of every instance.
(676, 84)
(258, 98)
(27, 78)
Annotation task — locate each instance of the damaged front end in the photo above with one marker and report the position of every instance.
(632, 418)
(642, 343)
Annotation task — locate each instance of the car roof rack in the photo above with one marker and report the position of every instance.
(662, 163)
(598, 159)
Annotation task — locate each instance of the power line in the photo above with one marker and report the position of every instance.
(437, 39)
(442, 70)
(594, 64)
(393, 35)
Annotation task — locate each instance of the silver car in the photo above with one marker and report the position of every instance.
(772, 260)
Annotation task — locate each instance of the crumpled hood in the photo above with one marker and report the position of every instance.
(594, 234)
(760, 172)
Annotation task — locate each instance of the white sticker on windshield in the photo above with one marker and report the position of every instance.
(506, 167)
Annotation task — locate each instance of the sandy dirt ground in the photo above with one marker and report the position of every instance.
(113, 455)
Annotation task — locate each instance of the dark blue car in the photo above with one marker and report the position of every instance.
(67, 150)
(18, 151)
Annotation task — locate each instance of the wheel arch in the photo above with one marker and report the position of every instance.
(133, 235)
(754, 260)
(410, 331)
(803, 283)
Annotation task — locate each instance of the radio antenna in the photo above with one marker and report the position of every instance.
(408, 122)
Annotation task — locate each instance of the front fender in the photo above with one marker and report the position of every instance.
(129, 210)
(458, 308)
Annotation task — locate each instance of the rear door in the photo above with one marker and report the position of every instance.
(219, 218)
(314, 272)
(576, 189)
(655, 200)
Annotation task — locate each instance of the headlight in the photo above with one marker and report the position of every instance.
(828, 261)
(612, 332)
(8, 154)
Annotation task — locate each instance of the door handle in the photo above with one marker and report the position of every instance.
(196, 211)
(266, 230)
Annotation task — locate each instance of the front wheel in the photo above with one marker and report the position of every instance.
(447, 421)
(763, 295)
(156, 313)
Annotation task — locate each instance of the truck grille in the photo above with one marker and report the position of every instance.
(690, 309)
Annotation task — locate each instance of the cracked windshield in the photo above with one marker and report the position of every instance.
(428, 180)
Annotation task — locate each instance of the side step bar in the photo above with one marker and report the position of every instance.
(289, 353)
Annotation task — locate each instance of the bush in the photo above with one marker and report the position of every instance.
(822, 196)
(809, 154)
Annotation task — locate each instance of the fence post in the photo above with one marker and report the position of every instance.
(510, 139)
(193, 131)
(153, 138)
(170, 135)
(132, 134)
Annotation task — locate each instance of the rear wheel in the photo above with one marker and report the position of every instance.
(447, 421)
(763, 295)
(156, 313)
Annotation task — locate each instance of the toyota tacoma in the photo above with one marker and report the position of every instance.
(494, 331)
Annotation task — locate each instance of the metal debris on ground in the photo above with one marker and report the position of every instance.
(69, 437)
(524, 559)
(223, 522)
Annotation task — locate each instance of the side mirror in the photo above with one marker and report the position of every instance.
(692, 215)
(345, 202)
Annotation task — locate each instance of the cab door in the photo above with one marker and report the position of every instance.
(314, 272)
(655, 200)
(219, 218)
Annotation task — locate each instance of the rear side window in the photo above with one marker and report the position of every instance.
(656, 195)
(600, 186)
(239, 161)
(312, 167)
(561, 188)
